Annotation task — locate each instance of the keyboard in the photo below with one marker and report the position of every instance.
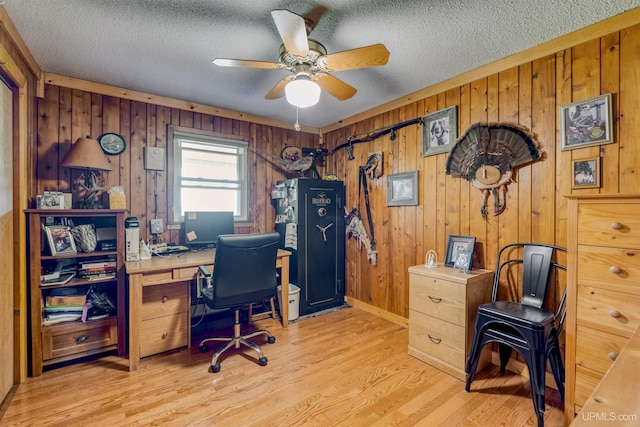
(168, 250)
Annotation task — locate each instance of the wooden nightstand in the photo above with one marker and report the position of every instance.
(442, 312)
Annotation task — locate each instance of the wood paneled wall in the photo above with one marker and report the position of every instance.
(65, 114)
(530, 94)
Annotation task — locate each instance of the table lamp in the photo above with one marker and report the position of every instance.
(87, 154)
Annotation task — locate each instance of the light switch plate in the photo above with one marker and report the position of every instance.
(154, 158)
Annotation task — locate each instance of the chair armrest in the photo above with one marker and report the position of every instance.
(204, 271)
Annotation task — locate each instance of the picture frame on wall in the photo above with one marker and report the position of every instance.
(402, 189)
(458, 244)
(439, 131)
(60, 240)
(586, 123)
(585, 173)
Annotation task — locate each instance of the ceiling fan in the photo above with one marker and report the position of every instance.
(309, 62)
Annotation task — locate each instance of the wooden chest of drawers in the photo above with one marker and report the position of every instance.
(603, 289)
(165, 322)
(442, 310)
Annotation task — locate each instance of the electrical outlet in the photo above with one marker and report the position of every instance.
(156, 226)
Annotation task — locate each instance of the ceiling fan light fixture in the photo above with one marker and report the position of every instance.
(302, 92)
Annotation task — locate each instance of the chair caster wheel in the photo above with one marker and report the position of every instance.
(215, 368)
(204, 348)
(271, 339)
(262, 361)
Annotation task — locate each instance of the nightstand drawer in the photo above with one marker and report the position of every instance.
(610, 268)
(609, 311)
(163, 300)
(163, 333)
(611, 224)
(438, 298)
(597, 350)
(440, 339)
(78, 337)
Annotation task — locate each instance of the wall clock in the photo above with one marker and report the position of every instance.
(112, 143)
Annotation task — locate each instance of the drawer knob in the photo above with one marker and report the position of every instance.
(434, 339)
(613, 355)
(165, 299)
(165, 335)
(436, 300)
(616, 225)
(614, 269)
(81, 338)
(614, 313)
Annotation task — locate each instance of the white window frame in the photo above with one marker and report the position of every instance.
(205, 138)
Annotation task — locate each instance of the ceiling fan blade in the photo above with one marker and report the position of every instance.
(312, 17)
(278, 89)
(224, 62)
(362, 57)
(334, 86)
(293, 32)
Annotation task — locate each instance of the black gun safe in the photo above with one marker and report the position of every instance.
(310, 220)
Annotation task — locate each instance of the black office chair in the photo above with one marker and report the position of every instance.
(525, 326)
(244, 273)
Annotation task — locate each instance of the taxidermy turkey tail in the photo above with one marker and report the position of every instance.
(502, 145)
(487, 154)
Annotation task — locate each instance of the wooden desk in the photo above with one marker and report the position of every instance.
(167, 280)
(615, 401)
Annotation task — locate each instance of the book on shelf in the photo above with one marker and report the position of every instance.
(64, 308)
(52, 319)
(66, 296)
(97, 264)
(60, 280)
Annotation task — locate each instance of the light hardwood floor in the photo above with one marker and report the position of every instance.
(345, 368)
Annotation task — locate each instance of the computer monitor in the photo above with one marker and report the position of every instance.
(201, 229)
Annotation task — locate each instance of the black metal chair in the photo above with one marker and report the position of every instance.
(244, 273)
(525, 326)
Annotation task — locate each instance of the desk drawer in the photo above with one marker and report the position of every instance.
(189, 273)
(160, 277)
(611, 224)
(439, 298)
(597, 350)
(609, 311)
(163, 333)
(440, 339)
(163, 300)
(78, 337)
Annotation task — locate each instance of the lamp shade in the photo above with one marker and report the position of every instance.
(86, 153)
(302, 92)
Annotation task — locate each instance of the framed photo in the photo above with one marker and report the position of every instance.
(586, 123)
(457, 244)
(60, 240)
(585, 173)
(402, 189)
(463, 261)
(439, 131)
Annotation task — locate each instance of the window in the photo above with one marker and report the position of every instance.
(210, 174)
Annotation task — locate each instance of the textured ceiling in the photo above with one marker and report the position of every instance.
(165, 47)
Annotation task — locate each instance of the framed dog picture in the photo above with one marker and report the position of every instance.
(459, 244)
(439, 131)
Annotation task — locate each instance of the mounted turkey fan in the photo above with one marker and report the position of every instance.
(307, 59)
(487, 154)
